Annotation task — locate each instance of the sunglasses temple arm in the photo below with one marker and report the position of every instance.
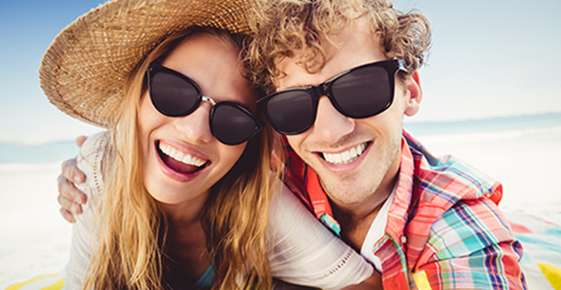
(401, 65)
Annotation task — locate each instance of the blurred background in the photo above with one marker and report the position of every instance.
(492, 97)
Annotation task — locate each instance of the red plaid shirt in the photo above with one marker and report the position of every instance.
(444, 229)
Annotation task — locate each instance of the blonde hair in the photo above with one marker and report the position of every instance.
(283, 27)
(133, 229)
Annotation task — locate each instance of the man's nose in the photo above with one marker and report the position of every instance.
(330, 125)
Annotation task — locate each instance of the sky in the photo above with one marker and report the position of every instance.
(488, 58)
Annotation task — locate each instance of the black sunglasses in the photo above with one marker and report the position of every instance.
(176, 95)
(360, 92)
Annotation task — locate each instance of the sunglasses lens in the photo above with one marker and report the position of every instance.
(291, 112)
(364, 92)
(232, 125)
(173, 95)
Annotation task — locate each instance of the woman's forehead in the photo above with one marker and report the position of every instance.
(214, 63)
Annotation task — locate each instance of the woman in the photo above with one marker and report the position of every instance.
(180, 190)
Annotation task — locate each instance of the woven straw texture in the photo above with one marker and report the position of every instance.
(84, 70)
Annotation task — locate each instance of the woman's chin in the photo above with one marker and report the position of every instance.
(166, 192)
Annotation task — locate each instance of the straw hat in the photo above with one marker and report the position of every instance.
(83, 70)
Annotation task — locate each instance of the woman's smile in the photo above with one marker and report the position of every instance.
(180, 163)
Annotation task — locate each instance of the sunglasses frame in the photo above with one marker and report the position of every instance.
(157, 68)
(391, 66)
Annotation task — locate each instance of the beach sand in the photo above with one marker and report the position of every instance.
(34, 239)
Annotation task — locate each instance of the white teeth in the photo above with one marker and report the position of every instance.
(180, 156)
(345, 156)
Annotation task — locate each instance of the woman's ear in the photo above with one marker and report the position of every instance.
(414, 94)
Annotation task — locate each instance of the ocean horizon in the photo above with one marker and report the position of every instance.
(49, 152)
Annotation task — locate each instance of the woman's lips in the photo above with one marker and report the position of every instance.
(178, 166)
(178, 170)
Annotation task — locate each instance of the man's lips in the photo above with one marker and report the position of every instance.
(345, 155)
(346, 159)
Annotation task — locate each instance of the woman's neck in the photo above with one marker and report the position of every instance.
(187, 257)
(186, 254)
(185, 213)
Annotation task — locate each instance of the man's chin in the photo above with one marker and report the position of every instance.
(347, 199)
(340, 187)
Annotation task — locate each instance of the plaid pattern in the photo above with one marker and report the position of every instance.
(444, 228)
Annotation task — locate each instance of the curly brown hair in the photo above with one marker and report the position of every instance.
(283, 27)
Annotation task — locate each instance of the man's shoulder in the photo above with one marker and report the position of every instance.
(454, 201)
(467, 227)
(446, 180)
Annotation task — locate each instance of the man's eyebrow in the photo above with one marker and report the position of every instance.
(298, 86)
(304, 86)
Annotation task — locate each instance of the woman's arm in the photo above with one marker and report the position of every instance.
(302, 251)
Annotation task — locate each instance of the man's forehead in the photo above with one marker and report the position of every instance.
(354, 45)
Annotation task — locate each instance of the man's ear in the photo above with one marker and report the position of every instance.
(415, 94)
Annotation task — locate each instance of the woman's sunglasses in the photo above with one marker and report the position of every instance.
(176, 95)
(360, 92)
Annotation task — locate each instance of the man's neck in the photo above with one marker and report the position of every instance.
(356, 219)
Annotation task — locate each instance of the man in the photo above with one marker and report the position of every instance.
(342, 76)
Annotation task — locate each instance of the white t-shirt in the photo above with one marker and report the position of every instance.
(376, 232)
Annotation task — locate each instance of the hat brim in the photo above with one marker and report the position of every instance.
(83, 71)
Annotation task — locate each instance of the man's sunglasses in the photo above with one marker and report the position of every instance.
(176, 95)
(360, 92)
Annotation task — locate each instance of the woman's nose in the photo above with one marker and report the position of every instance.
(195, 127)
